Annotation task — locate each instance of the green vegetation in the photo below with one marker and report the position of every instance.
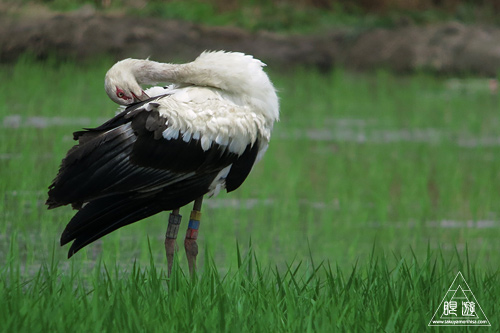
(375, 191)
(296, 16)
(375, 297)
(311, 16)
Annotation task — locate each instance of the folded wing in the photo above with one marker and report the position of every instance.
(126, 170)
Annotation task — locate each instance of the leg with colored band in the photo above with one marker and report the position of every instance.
(192, 234)
(174, 221)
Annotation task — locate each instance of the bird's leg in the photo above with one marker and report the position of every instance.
(192, 234)
(174, 220)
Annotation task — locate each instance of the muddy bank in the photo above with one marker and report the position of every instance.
(444, 48)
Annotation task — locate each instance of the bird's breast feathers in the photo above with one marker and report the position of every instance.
(209, 115)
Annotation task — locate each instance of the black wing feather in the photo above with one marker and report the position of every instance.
(102, 216)
(124, 171)
(241, 168)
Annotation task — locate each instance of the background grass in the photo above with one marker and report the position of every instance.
(375, 191)
(292, 16)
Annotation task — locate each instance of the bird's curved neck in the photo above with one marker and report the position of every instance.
(192, 73)
(239, 77)
(152, 72)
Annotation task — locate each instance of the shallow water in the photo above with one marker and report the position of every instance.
(19, 121)
(337, 130)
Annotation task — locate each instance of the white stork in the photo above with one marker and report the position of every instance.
(169, 146)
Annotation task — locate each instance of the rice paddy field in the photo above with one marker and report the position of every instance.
(377, 189)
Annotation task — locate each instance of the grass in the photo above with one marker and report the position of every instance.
(321, 298)
(375, 191)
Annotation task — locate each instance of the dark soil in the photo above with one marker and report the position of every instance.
(444, 48)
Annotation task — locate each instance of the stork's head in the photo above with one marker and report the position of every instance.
(121, 85)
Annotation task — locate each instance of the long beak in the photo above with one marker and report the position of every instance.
(141, 98)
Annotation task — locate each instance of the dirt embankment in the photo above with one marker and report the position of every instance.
(447, 47)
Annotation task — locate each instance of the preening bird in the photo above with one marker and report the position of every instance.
(167, 147)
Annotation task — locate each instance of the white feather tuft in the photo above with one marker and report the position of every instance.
(219, 181)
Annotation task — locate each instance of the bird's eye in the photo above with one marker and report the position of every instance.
(121, 94)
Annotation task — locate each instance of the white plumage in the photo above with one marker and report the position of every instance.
(224, 97)
(203, 112)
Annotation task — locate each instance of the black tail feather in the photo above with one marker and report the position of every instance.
(102, 216)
